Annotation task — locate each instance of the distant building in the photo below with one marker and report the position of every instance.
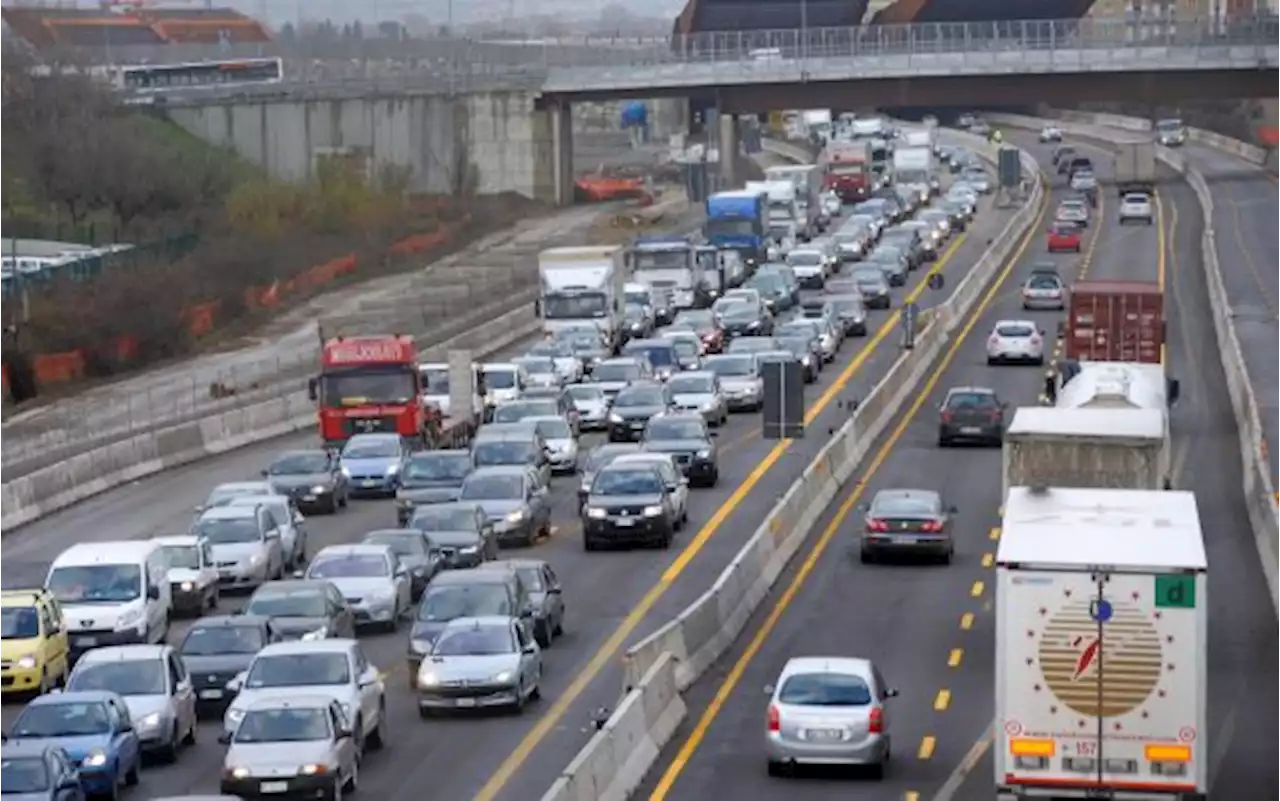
(45, 28)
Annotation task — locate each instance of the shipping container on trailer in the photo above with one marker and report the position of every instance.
(1101, 618)
(1116, 321)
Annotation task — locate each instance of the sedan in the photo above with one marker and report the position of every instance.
(313, 480)
(907, 522)
(688, 345)
(971, 414)
(1044, 289)
(592, 404)
(802, 349)
(1015, 341)
(810, 266)
(562, 444)
(517, 505)
(303, 610)
(703, 323)
(628, 504)
(431, 477)
(740, 380)
(541, 370)
(546, 597)
(291, 746)
(851, 245)
(600, 457)
(892, 262)
(460, 531)
(633, 407)
(375, 583)
(36, 771)
(479, 662)
(1072, 211)
(102, 743)
(874, 287)
(568, 363)
(745, 320)
(828, 710)
(687, 440)
(820, 330)
(416, 552)
(216, 649)
(372, 462)
(851, 311)
(700, 392)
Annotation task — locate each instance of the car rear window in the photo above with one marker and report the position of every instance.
(824, 689)
(905, 506)
(1045, 282)
(1136, 198)
(975, 400)
(1014, 330)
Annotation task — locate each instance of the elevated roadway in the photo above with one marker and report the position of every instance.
(931, 629)
(612, 598)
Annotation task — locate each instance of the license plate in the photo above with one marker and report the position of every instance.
(906, 540)
(308, 497)
(210, 695)
(466, 702)
(274, 787)
(370, 483)
(823, 735)
(86, 642)
(970, 430)
(624, 522)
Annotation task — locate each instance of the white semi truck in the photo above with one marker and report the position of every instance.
(781, 204)
(1101, 640)
(583, 284)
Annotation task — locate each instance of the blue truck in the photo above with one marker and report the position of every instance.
(739, 221)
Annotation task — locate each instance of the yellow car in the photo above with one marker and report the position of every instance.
(33, 642)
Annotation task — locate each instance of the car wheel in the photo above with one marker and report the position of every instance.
(542, 634)
(190, 739)
(866, 556)
(558, 631)
(131, 776)
(776, 769)
(879, 769)
(378, 740)
(170, 751)
(353, 779)
(1039, 362)
(943, 441)
(991, 360)
(518, 706)
(114, 793)
(45, 686)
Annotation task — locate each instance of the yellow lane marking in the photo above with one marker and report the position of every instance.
(954, 657)
(927, 745)
(977, 588)
(550, 719)
(966, 621)
(988, 559)
(735, 674)
(942, 701)
(995, 530)
(911, 795)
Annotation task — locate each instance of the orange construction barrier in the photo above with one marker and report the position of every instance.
(600, 190)
(200, 318)
(1269, 135)
(123, 348)
(56, 368)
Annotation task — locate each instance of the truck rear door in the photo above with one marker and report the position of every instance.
(1116, 321)
(1103, 690)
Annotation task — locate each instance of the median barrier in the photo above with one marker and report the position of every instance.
(1259, 489)
(695, 638)
(1243, 150)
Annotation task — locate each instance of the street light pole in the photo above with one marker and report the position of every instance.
(804, 29)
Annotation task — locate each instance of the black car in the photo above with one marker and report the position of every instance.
(892, 261)
(416, 552)
(909, 242)
(637, 321)
(851, 311)
(687, 438)
(971, 414)
(746, 320)
(599, 457)
(431, 477)
(957, 214)
(773, 289)
(461, 531)
(633, 407)
(303, 609)
(806, 351)
(313, 480)
(628, 504)
(907, 522)
(216, 649)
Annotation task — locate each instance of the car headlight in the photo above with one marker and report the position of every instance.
(428, 679)
(469, 550)
(128, 619)
(516, 516)
(239, 772)
(756, 324)
(346, 471)
(150, 721)
(233, 717)
(615, 418)
(596, 513)
(419, 647)
(27, 662)
(318, 634)
(313, 769)
(805, 360)
(256, 559)
(503, 677)
(96, 759)
(392, 469)
(187, 586)
(319, 489)
(704, 454)
(652, 511)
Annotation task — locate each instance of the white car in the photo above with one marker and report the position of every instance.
(289, 521)
(299, 744)
(567, 363)
(1050, 133)
(372, 578)
(1083, 180)
(1136, 206)
(540, 370)
(193, 576)
(1073, 211)
(332, 668)
(245, 543)
(592, 404)
(810, 265)
(562, 444)
(1015, 341)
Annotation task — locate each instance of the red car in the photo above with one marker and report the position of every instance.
(1064, 236)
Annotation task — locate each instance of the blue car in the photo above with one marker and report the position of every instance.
(33, 771)
(93, 728)
(372, 463)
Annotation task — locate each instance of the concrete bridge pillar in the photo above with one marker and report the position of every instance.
(730, 169)
(562, 152)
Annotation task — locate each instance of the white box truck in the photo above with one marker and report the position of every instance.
(912, 165)
(583, 284)
(1101, 617)
(1086, 447)
(1135, 167)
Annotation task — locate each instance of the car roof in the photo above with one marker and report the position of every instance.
(440, 453)
(447, 506)
(588, 385)
(629, 360)
(392, 532)
(525, 433)
(18, 748)
(476, 621)
(245, 485)
(826, 664)
(291, 702)
(518, 563)
(72, 697)
(353, 549)
(1016, 322)
(228, 512)
(463, 577)
(114, 552)
(644, 457)
(706, 374)
(292, 585)
(177, 540)
(651, 342)
(229, 621)
(519, 470)
(645, 385)
(546, 418)
(303, 451)
(896, 494)
(375, 436)
(331, 645)
(122, 653)
(679, 415)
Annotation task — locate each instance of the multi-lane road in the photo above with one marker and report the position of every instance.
(612, 598)
(931, 629)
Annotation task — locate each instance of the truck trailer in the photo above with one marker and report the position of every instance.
(1101, 640)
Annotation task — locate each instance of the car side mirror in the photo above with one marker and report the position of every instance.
(684, 481)
(345, 734)
(891, 692)
(554, 591)
(298, 574)
(198, 509)
(530, 649)
(224, 738)
(953, 509)
(153, 593)
(237, 682)
(1174, 390)
(313, 389)
(769, 689)
(263, 473)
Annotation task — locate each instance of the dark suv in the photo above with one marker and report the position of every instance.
(971, 414)
(628, 504)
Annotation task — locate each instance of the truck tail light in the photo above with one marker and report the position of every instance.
(774, 718)
(875, 721)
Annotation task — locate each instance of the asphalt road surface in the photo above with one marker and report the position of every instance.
(931, 629)
(612, 598)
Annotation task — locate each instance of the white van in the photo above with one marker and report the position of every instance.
(113, 593)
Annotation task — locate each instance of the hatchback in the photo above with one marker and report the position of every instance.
(1015, 341)
(1064, 236)
(1044, 290)
(1136, 206)
(972, 414)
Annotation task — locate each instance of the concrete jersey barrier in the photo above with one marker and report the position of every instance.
(1259, 490)
(667, 662)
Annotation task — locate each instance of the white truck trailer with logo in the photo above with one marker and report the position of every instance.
(781, 204)
(1101, 636)
(807, 179)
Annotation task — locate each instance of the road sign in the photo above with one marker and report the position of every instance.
(910, 312)
(783, 400)
(1176, 592)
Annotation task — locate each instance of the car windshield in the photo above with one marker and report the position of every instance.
(1140, 199)
(663, 429)
(555, 429)
(1014, 330)
(499, 452)
(627, 482)
(599, 458)
(400, 544)
(426, 518)
(847, 305)
(898, 505)
(126, 677)
(221, 495)
(492, 488)
(68, 719)
(464, 600)
(578, 392)
(640, 396)
(800, 328)
(184, 557)
(691, 384)
(87, 584)
(229, 531)
(475, 640)
(804, 258)
(551, 349)
(515, 412)
(293, 464)
(824, 689)
(297, 725)
(438, 467)
(298, 670)
(537, 365)
(351, 565)
(696, 318)
(616, 372)
(500, 379)
(634, 312)
(23, 775)
(885, 255)
(19, 623)
(435, 380)
(377, 449)
(295, 603)
(658, 355)
(211, 640)
(796, 346)
(868, 277)
(1169, 126)
(1064, 230)
(740, 313)
(532, 578)
(733, 366)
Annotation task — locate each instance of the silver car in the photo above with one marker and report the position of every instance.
(592, 404)
(740, 380)
(828, 711)
(289, 522)
(820, 329)
(155, 687)
(517, 504)
(700, 392)
(245, 544)
(479, 662)
(541, 370)
(376, 584)
(562, 445)
(568, 364)
(292, 746)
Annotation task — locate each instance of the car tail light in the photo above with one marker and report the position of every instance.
(875, 721)
(775, 718)
(947, 417)
(996, 414)
(931, 526)
(1035, 339)
(1025, 291)
(877, 525)
(994, 339)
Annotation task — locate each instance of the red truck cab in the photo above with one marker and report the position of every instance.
(370, 384)
(846, 170)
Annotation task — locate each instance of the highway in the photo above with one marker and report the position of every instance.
(931, 629)
(612, 598)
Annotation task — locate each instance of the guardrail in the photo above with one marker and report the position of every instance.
(1259, 489)
(661, 666)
